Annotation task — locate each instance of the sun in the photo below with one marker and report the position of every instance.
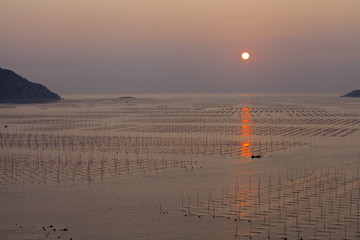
(245, 55)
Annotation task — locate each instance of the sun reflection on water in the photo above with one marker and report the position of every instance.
(245, 130)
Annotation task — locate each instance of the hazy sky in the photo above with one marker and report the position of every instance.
(184, 46)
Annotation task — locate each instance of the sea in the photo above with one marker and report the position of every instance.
(181, 166)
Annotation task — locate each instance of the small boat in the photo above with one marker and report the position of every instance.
(256, 156)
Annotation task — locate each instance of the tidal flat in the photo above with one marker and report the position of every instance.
(180, 167)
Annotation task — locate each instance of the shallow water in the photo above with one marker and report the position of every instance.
(179, 166)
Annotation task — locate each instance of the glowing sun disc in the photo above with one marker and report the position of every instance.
(245, 55)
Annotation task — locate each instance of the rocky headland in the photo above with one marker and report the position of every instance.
(16, 89)
(355, 93)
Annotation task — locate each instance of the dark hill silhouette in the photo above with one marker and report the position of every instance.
(355, 93)
(16, 89)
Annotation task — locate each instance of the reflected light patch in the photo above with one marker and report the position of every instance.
(245, 150)
(245, 130)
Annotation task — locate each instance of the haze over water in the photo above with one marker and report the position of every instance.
(157, 46)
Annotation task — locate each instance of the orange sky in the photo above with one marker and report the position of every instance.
(165, 46)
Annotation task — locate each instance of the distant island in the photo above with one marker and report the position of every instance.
(126, 97)
(16, 89)
(355, 93)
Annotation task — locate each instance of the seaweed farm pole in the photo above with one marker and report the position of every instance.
(351, 202)
(102, 171)
(269, 224)
(197, 197)
(236, 228)
(161, 210)
(189, 205)
(209, 199)
(213, 210)
(182, 200)
(279, 189)
(345, 229)
(357, 218)
(316, 223)
(285, 222)
(259, 192)
(230, 207)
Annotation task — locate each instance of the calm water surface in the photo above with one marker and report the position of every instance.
(180, 167)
